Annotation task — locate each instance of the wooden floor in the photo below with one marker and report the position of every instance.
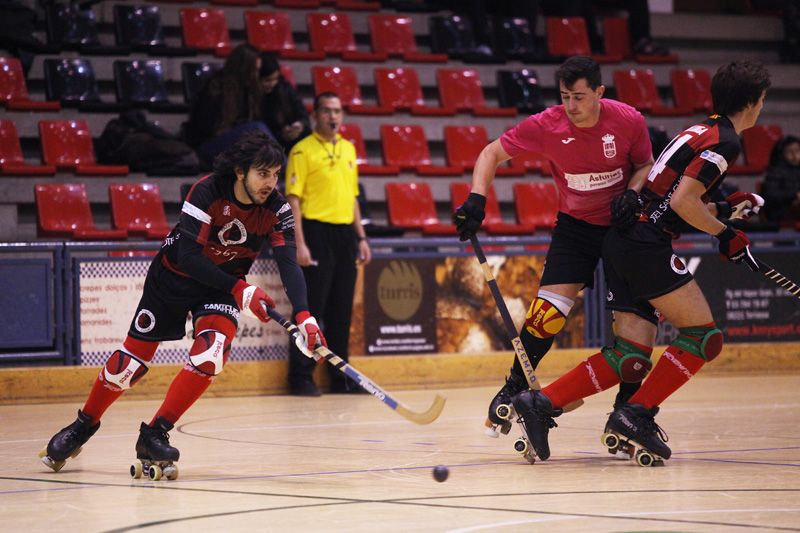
(348, 463)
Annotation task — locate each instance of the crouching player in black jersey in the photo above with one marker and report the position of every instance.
(645, 276)
(225, 220)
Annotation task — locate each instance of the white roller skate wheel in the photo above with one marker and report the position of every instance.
(503, 411)
(610, 441)
(644, 458)
(171, 472)
(521, 445)
(154, 472)
(136, 470)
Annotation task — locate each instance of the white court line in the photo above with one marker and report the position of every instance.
(644, 513)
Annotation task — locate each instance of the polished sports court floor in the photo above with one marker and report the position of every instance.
(348, 463)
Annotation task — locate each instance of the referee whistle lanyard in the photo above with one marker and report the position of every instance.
(332, 155)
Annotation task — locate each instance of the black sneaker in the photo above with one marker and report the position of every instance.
(304, 387)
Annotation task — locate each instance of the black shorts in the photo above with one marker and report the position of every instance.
(166, 300)
(575, 250)
(640, 265)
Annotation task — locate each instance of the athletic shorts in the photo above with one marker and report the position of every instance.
(640, 265)
(575, 250)
(167, 299)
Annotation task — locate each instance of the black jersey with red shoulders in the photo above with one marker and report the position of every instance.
(702, 152)
(217, 238)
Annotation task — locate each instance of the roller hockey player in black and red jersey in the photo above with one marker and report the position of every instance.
(225, 220)
(645, 277)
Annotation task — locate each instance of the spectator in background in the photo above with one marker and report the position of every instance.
(781, 189)
(281, 107)
(322, 186)
(228, 104)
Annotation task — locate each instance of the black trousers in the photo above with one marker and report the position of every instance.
(331, 285)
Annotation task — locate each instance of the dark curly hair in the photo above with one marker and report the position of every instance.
(737, 85)
(254, 149)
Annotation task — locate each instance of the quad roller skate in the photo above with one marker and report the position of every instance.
(634, 424)
(535, 414)
(623, 451)
(68, 442)
(155, 454)
(501, 412)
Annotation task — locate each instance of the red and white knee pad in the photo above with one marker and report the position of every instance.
(212, 345)
(547, 314)
(127, 366)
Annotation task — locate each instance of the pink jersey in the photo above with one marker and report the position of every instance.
(590, 165)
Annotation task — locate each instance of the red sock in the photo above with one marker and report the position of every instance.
(590, 377)
(103, 394)
(675, 368)
(185, 389)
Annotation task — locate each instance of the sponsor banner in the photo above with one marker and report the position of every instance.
(110, 292)
(399, 301)
(456, 301)
(746, 306)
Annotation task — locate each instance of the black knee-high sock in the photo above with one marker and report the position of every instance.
(536, 349)
(626, 390)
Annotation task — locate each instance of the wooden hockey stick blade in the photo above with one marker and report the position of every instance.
(363, 381)
(781, 280)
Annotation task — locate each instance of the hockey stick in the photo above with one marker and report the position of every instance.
(511, 330)
(321, 352)
(778, 278)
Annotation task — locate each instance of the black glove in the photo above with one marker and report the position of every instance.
(469, 215)
(735, 247)
(625, 209)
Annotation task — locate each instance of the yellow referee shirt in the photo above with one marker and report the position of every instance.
(325, 178)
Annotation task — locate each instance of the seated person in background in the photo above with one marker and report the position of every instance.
(281, 107)
(228, 104)
(781, 189)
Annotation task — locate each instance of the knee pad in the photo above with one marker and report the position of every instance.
(212, 345)
(703, 341)
(547, 314)
(122, 370)
(630, 361)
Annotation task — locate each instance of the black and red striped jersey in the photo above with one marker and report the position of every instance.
(231, 233)
(702, 152)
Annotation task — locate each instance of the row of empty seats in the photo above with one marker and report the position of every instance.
(67, 146)
(206, 29)
(137, 210)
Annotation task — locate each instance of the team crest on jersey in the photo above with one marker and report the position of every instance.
(677, 265)
(609, 146)
(226, 211)
(227, 228)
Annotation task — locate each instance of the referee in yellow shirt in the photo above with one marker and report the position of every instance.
(322, 186)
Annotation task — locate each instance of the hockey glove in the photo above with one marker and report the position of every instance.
(740, 205)
(249, 297)
(625, 209)
(308, 326)
(469, 215)
(735, 246)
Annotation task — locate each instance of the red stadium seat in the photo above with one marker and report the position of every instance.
(332, 34)
(272, 32)
(461, 89)
(137, 209)
(357, 5)
(14, 90)
(343, 81)
(298, 4)
(63, 211)
(567, 36)
(463, 144)
(206, 29)
(288, 74)
(493, 223)
(352, 132)
(536, 204)
(399, 89)
(235, 2)
(617, 42)
(692, 89)
(638, 88)
(411, 205)
(393, 35)
(12, 161)
(407, 148)
(67, 144)
(757, 145)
